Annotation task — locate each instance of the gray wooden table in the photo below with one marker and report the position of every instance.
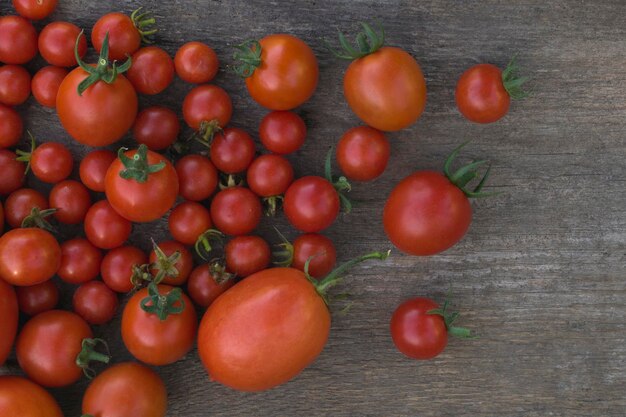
(540, 276)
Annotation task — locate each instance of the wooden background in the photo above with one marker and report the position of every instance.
(540, 275)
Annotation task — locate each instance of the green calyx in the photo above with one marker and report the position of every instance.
(248, 56)
(138, 168)
(37, 218)
(143, 23)
(208, 129)
(206, 241)
(467, 173)
(367, 42)
(284, 255)
(219, 273)
(164, 265)
(25, 156)
(102, 71)
(162, 305)
(449, 319)
(88, 354)
(341, 184)
(513, 82)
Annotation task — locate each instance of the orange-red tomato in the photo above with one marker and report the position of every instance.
(480, 94)
(28, 256)
(8, 320)
(23, 398)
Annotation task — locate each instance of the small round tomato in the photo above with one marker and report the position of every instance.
(124, 38)
(71, 199)
(196, 63)
(20, 204)
(37, 298)
(236, 211)
(188, 221)
(18, 40)
(317, 248)
(270, 175)
(246, 255)
(13, 172)
(51, 162)
(156, 127)
(104, 227)
(282, 132)
(117, 267)
(207, 103)
(152, 70)
(197, 177)
(34, 9)
(8, 320)
(11, 127)
(363, 153)
(95, 302)
(45, 85)
(28, 256)
(232, 150)
(183, 266)
(204, 288)
(14, 85)
(57, 41)
(93, 168)
(80, 261)
(311, 204)
(21, 397)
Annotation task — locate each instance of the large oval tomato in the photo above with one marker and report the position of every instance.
(311, 204)
(18, 40)
(28, 256)
(8, 320)
(23, 398)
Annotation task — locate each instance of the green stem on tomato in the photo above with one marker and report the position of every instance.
(467, 173)
(449, 319)
(88, 354)
(248, 54)
(138, 168)
(37, 218)
(163, 305)
(142, 21)
(367, 42)
(341, 184)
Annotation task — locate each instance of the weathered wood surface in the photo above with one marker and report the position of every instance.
(540, 276)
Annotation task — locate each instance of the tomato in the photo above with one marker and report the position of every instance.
(246, 255)
(34, 9)
(124, 38)
(80, 261)
(57, 41)
(183, 266)
(104, 227)
(156, 127)
(45, 85)
(51, 162)
(197, 177)
(37, 298)
(311, 204)
(21, 397)
(71, 199)
(363, 153)
(204, 288)
(93, 168)
(11, 127)
(188, 221)
(20, 204)
(8, 321)
(282, 132)
(196, 63)
(1, 218)
(14, 85)
(18, 40)
(207, 103)
(28, 256)
(232, 150)
(286, 75)
(136, 389)
(152, 70)
(270, 175)
(117, 267)
(95, 302)
(319, 249)
(13, 172)
(159, 336)
(236, 211)
(141, 185)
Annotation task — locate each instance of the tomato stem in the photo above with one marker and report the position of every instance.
(138, 168)
(449, 319)
(25, 156)
(37, 218)
(204, 245)
(367, 42)
(467, 173)
(88, 354)
(163, 305)
(513, 82)
(341, 184)
(165, 265)
(284, 257)
(248, 53)
(142, 22)
(219, 273)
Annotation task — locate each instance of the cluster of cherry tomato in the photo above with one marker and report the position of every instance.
(281, 309)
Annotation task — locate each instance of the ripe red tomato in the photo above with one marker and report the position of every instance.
(21, 397)
(156, 127)
(71, 199)
(282, 132)
(37, 298)
(197, 177)
(246, 255)
(363, 153)
(188, 221)
(104, 227)
(236, 211)
(152, 70)
(232, 150)
(20, 204)
(57, 41)
(13, 172)
(28, 256)
(51, 162)
(204, 288)
(93, 168)
(80, 261)
(14, 85)
(311, 204)
(11, 127)
(124, 38)
(137, 390)
(319, 249)
(183, 266)
(34, 9)
(18, 40)
(117, 267)
(270, 175)
(95, 302)
(286, 75)
(196, 63)
(45, 85)
(8, 321)
(207, 103)
(159, 336)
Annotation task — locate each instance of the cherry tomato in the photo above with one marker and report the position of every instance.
(13, 172)
(93, 168)
(124, 38)
(480, 94)
(152, 70)
(95, 302)
(270, 175)
(117, 267)
(363, 153)
(197, 177)
(8, 321)
(137, 390)
(282, 132)
(155, 340)
(207, 103)
(183, 266)
(196, 63)
(34, 9)
(319, 249)
(18, 40)
(57, 41)
(188, 221)
(28, 256)
(232, 150)
(11, 127)
(311, 204)
(236, 211)
(37, 298)
(20, 203)
(45, 85)
(203, 288)
(21, 397)
(51, 162)
(71, 199)
(156, 127)
(246, 255)
(416, 333)
(14, 85)
(80, 261)
(104, 227)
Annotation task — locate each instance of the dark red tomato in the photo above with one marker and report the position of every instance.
(80, 261)
(270, 175)
(117, 267)
(416, 333)
(188, 221)
(203, 288)
(28, 256)
(37, 298)
(57, 41)
(232, 150)
(124, 38)
(282, 132)
(311, 204)
(47, 347)
(14, 85)
(480, 94)
(157, 341)
(152, 70)
(34, 9)
(426, 214)
(197, 177)
(236, 211)
(20, 203)
(156, 127)
(11, 127)
(18, 40)
(319, 249)
(1, 218)
(183, 266)
(51, 162)
(93, 168)
(13, 172)
(71, 199)
(45, 85)
(363, 153)
(137, 390)
(196, 63)
(104, 227)
(207, 103)
(95, 302)
(246, 255)
(21, 397)
(8, 321)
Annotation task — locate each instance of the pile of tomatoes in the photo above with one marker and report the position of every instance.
(214, 188)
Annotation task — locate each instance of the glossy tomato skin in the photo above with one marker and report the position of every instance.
(157, 342)
(93, 168)
(34, 9)
(18, 40)
(243, 329)
(80, 261)
(11, 127)
(232, 150)
(480, 94)
(57, 41)
(184, 264)
(282, 132)
(246, 255)
(187, 221)
(203, 288)
(37, 298)
(386, 89)
(269, 175)
(8, 320)
(206, 103)
(320, 249)
(28, 256)
(236, 211)
(196, 63)
(104, 227)
(95, 302)
(71, 199)
(51, 162)
(14, 85)
(45, 85)
(417, 334)
(363, 153)
(197, 177)
(124, 39)
(311, 204)
(426, 214)
(13, 172)
(21, 397)
(137, 390)
(117, 267)
(19, 204)
(156, 127)
(152, 70)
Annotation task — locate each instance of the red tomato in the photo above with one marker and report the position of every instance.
(363, 153)
(93, 168)
(232, 150)
(45, 85)
(311, 204)
(51, 162)
(188, 221)
(137, 390)
(117, 267)
(18, 40)
(1, 218)
(183, 266)
(14, 85)
(282, 132)
(156, 127)
(11, 127)
(13, 172)
(270, 175)
(124, 38)
(236, 211)
(37, 298)
(159, 340)
(71, 199)
(152, 70)
(197, 177)
(246, 255)
(95, 302)
(80, 261)
(21, 397)
(319, 249)
(8, 321)
(416, 333)
(104, 227)
(20, 203)
(207, 103)
(196, 63)
(481, 95)
(57, 41)
(203, 287)
(34, 9)
(28, 256)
